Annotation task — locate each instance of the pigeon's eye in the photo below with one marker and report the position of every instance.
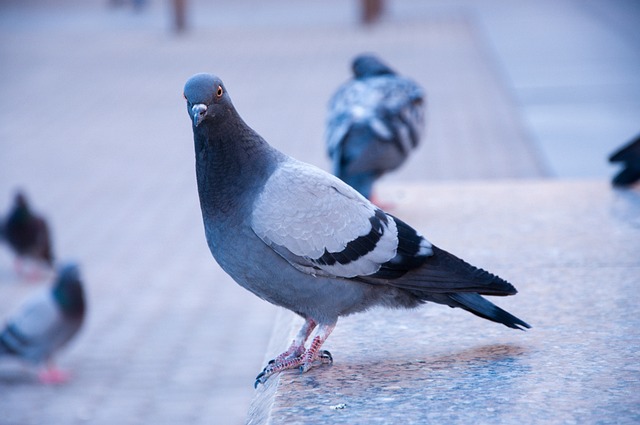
(185, 97)
(219, 92)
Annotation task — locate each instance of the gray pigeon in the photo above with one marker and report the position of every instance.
(45, 323)
(27, 233)
(302, 239)
(375, 120)
(629, 156)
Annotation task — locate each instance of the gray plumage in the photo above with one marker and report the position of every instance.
(47, 321)
(302, 239)
(374, 122)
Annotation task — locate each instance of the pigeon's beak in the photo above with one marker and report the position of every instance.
(198, 112)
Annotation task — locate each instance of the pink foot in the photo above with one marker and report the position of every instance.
(53, 376)
(385, 206)
(32, 272)
(296, 356)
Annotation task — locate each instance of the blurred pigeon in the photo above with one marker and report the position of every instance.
(27, 234)
(629, 156)
(302, 239)
(375, 120)
(45, 323)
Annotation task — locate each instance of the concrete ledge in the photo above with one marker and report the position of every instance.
(571, 248)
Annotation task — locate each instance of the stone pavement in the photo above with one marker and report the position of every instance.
(93, 126)
(570, 248)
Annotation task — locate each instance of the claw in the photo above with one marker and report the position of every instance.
(269, 363)
(325, 356)
(260, 379)
(296, 356)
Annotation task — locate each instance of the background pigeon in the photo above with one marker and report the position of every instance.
(27, 234)
(629, 156)
(302, 239)
(375, 120)
(45, 323)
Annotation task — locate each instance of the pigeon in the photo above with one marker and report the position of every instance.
(45, 323)
(629, 156)
(374, 122)
(27, 234)
(300, 238)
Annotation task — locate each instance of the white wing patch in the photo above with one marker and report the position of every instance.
(314, 216)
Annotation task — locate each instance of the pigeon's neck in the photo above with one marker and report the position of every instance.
(70, 299)
(20, 214)
(232, 163)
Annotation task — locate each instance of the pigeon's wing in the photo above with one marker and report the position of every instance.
(389, 108)
(345, 107)
(401, 109)
(35, 330)
(323, 226)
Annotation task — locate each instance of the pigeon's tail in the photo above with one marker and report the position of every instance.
(482, 307)
(445, 273)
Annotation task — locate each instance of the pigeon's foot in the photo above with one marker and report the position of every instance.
(383, 205)
(53, 376)
(32, 271)
(303, 362)
(296, 356)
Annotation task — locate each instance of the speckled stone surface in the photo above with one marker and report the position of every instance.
(570, 247)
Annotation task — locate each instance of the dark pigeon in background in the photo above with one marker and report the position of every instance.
(375, 120)
(302, 239)
(629, 156)
(45, 323)
(27, 234)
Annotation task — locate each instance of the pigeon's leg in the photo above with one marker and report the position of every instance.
(52, 375)
(291, 357)
(314, 353)
(29, 270)
(296, 349)
(386, 206)
(297, 356)
(18, 266)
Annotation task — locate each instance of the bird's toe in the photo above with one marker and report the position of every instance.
(325, 356)
(260, 379)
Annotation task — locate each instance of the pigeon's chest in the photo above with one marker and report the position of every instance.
(243, 256)
(227, 237)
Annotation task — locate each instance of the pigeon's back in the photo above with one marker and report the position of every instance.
(374, 122)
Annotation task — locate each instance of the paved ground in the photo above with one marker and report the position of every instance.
(93, 126)
(436, 365)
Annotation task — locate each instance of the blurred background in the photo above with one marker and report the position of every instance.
(94, 128)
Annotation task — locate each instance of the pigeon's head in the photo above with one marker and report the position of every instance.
(206, 98)
(67, 290)
(20, 200)
(368, 65)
